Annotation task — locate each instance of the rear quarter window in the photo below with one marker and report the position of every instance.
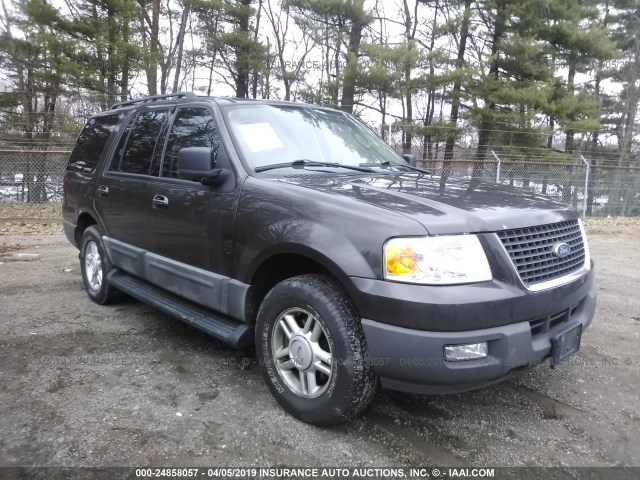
(90, 144)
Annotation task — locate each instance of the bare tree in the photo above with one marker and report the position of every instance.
(186, 10)
(291, 54)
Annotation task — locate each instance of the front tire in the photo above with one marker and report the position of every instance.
(95, 265)
(313, 352)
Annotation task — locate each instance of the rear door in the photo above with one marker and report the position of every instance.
(93, 143)
(123, 199)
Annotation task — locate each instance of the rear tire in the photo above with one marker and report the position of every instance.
(313, 352)
(95, 265)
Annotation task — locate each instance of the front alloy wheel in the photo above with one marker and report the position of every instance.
(313, 352)
(302, 353)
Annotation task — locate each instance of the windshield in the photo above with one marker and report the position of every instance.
(274, 134)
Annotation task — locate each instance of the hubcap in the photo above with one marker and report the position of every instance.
(302, 353)
(93, 265)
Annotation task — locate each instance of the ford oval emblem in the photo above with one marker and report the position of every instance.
(561, 250)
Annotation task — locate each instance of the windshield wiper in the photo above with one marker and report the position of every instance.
(387, 163)
(421, 170)
(310, 163)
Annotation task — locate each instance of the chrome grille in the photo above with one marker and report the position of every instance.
(531, 250)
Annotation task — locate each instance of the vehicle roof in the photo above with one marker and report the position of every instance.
(186, 98)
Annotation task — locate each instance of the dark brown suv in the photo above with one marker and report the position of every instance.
(296, 228)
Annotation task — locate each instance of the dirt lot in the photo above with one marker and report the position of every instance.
(84, 385)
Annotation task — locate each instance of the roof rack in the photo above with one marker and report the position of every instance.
(153, 98)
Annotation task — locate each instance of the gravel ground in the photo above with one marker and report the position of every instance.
(85, 385)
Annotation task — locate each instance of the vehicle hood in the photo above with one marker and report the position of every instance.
(451, 206)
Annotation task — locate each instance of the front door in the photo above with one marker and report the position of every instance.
(196, 224)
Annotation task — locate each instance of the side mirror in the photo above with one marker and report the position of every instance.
(196, 163)
(410, 158)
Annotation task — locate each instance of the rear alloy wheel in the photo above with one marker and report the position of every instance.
(95, 266)
(313, 352)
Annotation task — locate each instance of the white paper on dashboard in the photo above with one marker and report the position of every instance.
(260, 137)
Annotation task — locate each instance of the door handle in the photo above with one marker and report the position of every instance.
(160, 201)
(103, 190)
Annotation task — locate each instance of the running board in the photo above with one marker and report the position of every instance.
(236, 334)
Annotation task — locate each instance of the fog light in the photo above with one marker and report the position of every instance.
(458, 353)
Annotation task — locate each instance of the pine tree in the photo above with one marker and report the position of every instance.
(578, 43)
(380, 76)
(336, 25)
(103, 56)
(626, 25)
(35, 64)
(229, 27)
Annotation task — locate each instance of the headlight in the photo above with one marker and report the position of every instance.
(442, 260)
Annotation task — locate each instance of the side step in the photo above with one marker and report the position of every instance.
(236, 334)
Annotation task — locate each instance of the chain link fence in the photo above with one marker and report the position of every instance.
(35, 176)
(609, 190)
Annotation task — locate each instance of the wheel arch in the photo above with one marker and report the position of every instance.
(286, 263)
(84, 221)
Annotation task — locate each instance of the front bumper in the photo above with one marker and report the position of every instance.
(412, 360)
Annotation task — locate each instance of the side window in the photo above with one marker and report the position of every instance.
(117, 156)
(136, 156)
(192, 127)
(91, 142)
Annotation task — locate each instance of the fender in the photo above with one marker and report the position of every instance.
(317, 242)
(346, 236)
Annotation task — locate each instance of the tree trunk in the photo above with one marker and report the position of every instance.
(594, 148)
(351, 68)
(152, 61)
(410, 23)
(626, 135)
(180, 44)
(112, 70)
(569, 144)
(126, 61)
(242, 53)
(255, 73)
(102, 69)
(431, 94)
(336, 61)
(455, 92)
(486, 125)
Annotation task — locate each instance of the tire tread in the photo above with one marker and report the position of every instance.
(355, 400)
